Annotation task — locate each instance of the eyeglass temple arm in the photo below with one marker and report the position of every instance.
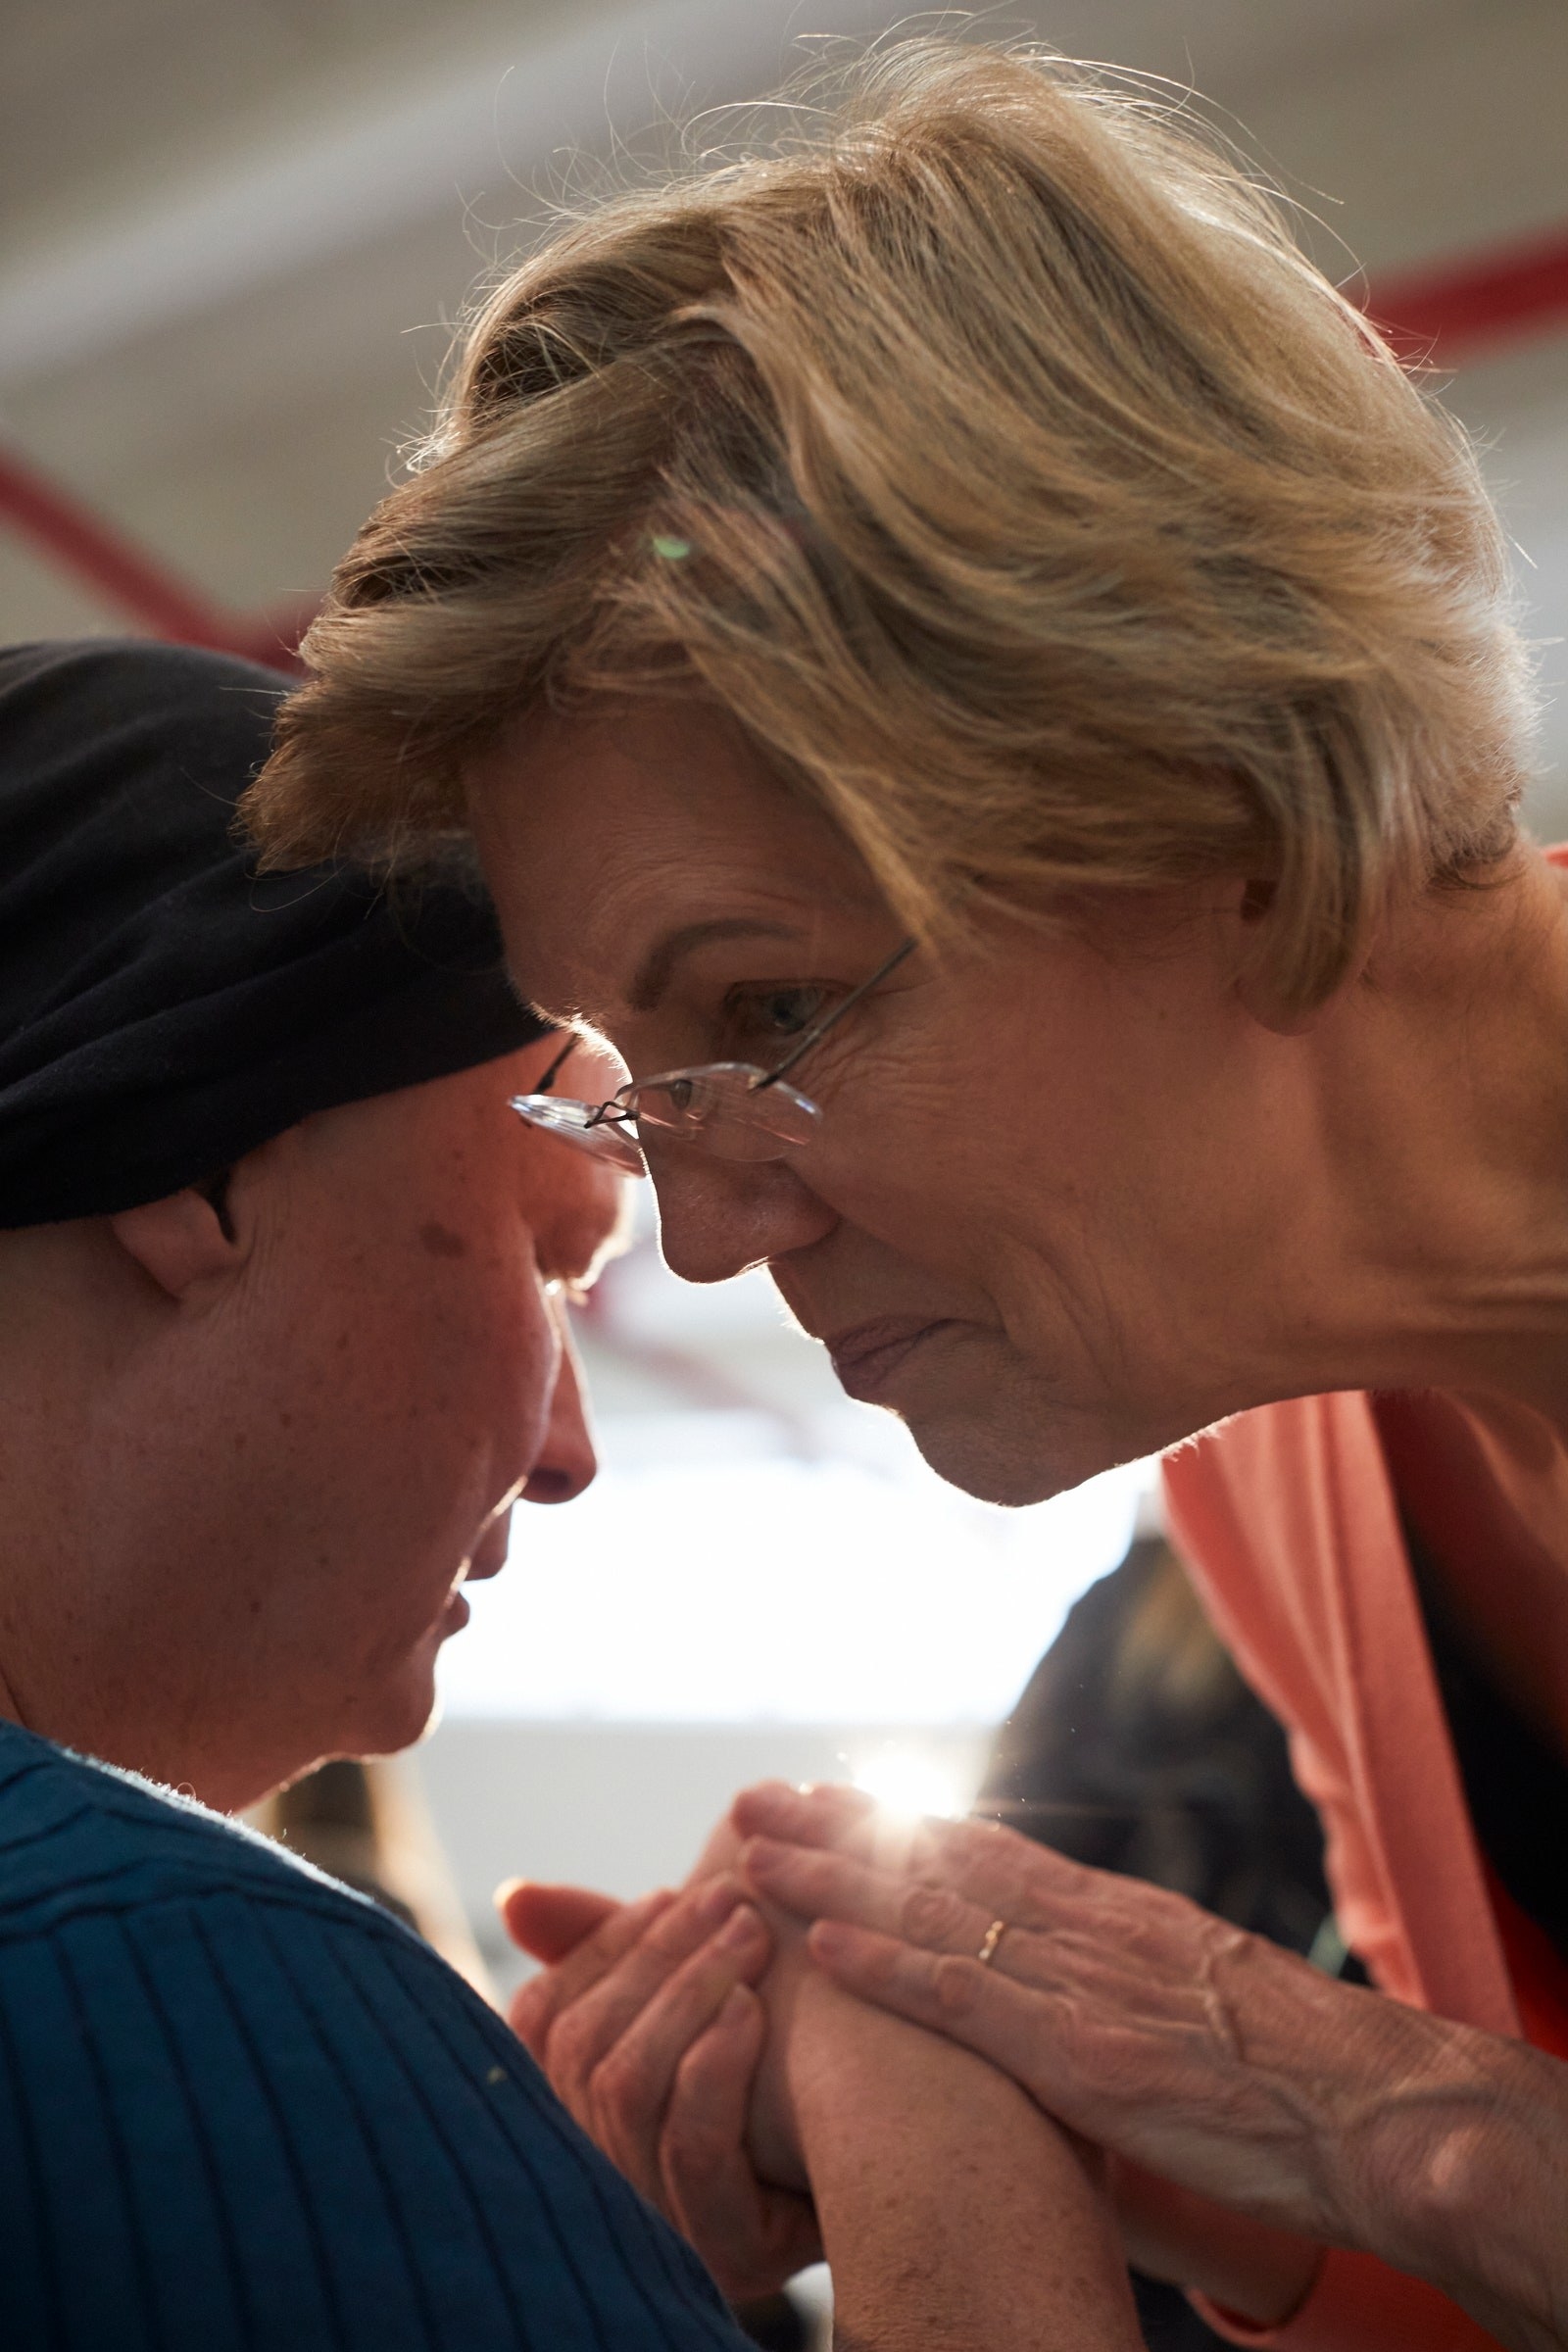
(605, 1114)
(814, 1036)
(556, 1067)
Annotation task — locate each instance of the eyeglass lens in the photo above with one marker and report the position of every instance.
(721, 1108)
(730, 1108)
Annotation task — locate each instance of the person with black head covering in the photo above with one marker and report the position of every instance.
(261, 1200)
(281, 1340)
(278, 1346)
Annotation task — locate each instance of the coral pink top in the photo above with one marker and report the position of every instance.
(1288, 1519)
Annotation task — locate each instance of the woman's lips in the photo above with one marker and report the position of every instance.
(489, 1555)
(867, 1356)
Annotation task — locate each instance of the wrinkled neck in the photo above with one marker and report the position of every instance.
(1460, 1195)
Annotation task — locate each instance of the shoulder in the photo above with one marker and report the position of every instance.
(1278, 1480)
(1284, 1520)
(82, 1838)
(274, 2116)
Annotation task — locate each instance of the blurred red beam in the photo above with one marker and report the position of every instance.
(133, 582)
(1446, 315)
(1456, 311)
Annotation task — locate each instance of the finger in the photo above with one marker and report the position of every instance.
(705, 2131)
(752, 2236)
(826, 1884)
(629, 2090)
(539, 2001)
(1008, 1876)
(1018, 2029)
(549, 1922)
(819, 1814)
(581, 2033)
(840, 1819)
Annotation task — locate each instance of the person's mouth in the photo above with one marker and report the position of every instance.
(489, 1555)
(867, 1355)
(487, 1558)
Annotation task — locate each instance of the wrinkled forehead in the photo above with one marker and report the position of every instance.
(607, 837)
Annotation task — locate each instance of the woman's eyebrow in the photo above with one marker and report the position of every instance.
(654, 974)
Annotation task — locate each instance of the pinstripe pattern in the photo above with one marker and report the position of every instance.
(243, 2111)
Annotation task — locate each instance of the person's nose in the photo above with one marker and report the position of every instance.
(718, 1217)
(566, 1461)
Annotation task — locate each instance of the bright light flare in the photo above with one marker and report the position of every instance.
(908, 1784)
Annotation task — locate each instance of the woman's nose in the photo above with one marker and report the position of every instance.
(718, 1217)
(566, 1461)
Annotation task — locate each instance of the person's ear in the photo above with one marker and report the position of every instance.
(184, 1239)
(1255, 985)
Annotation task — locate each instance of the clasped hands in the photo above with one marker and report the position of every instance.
(660, 2023)
(1242, 2100)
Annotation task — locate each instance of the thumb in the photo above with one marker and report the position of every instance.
(550, 1920)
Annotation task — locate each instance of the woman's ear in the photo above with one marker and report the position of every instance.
(1258, 994)
(183, 1240)
(1254, 986)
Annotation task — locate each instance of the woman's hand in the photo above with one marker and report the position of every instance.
(651, 2033)
(1207, 2056)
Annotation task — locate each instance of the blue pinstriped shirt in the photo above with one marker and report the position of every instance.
(240, 2107)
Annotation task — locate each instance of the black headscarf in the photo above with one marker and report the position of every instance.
(162, 1008)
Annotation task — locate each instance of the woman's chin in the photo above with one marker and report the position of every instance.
(1011, 1457)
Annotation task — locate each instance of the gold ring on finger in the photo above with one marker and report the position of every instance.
(990, 1940)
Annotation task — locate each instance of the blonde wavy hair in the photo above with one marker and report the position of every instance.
(991, 451)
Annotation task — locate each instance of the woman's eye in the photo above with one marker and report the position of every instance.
(776, 1013)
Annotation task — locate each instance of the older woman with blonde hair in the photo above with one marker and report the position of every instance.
(977, 672)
